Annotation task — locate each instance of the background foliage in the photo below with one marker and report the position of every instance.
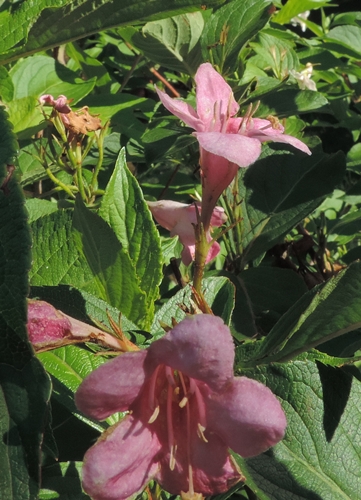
(288, 278)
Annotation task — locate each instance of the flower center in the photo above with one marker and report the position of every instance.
(177, 399)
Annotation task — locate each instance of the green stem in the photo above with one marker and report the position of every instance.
(59, 183)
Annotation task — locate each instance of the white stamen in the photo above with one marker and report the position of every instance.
(154, 416)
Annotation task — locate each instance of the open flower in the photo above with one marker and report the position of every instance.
(180, 218)
(186, 409)
(303, 78)
(226, 143)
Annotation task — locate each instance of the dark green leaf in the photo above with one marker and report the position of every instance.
(173, 42)
(230, 28)
(322, 314)
(270, 208)
(290, 102)
(62, 481)
(320, 456)
(24, 386)
(34, 27)
(112, 269)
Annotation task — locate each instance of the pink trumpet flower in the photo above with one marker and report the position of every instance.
(186, 409)
(226, 143)
(180, 218)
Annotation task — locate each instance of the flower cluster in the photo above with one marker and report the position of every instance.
(186, 409)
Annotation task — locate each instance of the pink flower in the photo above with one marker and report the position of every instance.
(186, 409)
(49, 328)
(60, 104)
(226, 143)
(180, 218)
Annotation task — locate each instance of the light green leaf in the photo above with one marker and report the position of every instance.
(173, 42)
(6, 85)
(125, 210)
(38, 208)
(320, 456)
(294, 7)
(348, 37)
(26, 117)
(229, 28)
(38, 75)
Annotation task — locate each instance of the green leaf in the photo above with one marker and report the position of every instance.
(348, 37)
(290, 102)
(62, 480)
(263, 296)
(69, 366)
(270, 208)
(125, 210)
(294, 7)
(81, 305)
(230, 28)
(24, 398)
(116, 106)
(34, 27)
(38, 208)
(322, 314)
(320, 456)
(61, 253)
(276, 53)
(24, 386)
(6, 85)
(110, 264)
(218, 292)
(173, 42)
(38, 75)
(26, 117)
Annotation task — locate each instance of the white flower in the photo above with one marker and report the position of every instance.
(304, 78)
(298, 20)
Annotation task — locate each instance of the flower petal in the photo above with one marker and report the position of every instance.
(215, 100)
(263, 131)
(200, 346)
(212, 470)
(236, 148)
(247, 416)
(122, 461)
(181, 109)
(113, 386)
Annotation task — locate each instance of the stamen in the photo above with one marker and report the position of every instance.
(200, 403)
(215, 113)
(153, 381)
(154, 416)
(200, 432)
(170, 376)
(170, 429)
(172, 457)
(183, 402)
(190, 479)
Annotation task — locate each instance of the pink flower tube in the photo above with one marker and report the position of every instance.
(226, 143)
(186, 409)
(180, 218)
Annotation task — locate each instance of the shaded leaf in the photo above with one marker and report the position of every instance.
(320, 456)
